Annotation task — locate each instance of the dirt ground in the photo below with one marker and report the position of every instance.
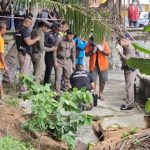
(11, 120)
(112, 136)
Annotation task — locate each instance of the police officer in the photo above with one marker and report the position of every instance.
(126, 51)
(50, 41)
(24, 46)
(39, 50)
(63, 56)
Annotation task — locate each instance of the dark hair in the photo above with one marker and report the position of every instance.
(69, 31)
(2, 24)
(134, 1)
(79, 67)
(42, 24)
(91, 38)
(29, 16)
(56, 24)
(119, 38)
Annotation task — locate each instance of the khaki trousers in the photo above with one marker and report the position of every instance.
(63, 70)
(39, 66)
(129, 81)
(24, 62)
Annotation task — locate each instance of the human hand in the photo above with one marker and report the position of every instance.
(37, 38)
(95, 49)
(56, 65)
(100, 47)
(73, 67)
(54, 48)
(119, 48)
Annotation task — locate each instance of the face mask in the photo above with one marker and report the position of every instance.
(134, 3)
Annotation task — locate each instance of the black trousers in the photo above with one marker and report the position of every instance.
(49, 63)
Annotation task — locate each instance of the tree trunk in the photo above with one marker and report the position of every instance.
(139, 5)
(34, 11)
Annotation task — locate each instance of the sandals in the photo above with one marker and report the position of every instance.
(101, 98)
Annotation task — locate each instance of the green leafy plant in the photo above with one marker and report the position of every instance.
(136, 142)
(10, 143)
(12, 102)
(59, 115)
(133, 130)
(125, 135)
(147, 106)
(142, 64)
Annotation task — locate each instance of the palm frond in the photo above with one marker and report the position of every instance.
(79, 17)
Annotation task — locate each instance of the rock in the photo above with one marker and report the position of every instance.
(98, 130)
(86, 135)
(26, 105)
(80, 146)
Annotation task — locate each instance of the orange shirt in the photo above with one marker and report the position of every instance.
(1, 50)
(102, 59)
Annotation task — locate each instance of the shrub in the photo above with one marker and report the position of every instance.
(9, 143)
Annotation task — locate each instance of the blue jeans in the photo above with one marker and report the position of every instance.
(133, 23)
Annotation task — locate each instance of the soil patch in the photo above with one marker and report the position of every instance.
(114, 140)
(11, 120)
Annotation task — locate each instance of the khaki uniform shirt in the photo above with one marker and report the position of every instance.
(39, 46)
(128, 52)
(65, 49)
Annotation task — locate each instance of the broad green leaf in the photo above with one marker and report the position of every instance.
(139, 63)
(146, 29)
(147, 106)
(141, 48)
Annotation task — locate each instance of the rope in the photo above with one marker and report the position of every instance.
(12, 17)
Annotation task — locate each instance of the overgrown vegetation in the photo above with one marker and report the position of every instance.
(10, 143)
(12, 102)
(132, 131)
(140, 63)
(61, 117)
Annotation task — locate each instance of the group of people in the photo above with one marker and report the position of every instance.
(58, 48)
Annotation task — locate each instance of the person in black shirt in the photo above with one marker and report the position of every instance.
(80, 79)
(50, 41)
(24, 45)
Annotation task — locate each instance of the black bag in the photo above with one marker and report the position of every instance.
(95, 98)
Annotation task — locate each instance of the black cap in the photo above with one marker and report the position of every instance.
(56, 24)
(44, 23)
(69, 31)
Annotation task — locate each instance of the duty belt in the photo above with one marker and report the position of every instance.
(61, 57)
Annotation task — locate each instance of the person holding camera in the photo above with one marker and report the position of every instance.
(24, 45)
(126, 51)
(98, 63)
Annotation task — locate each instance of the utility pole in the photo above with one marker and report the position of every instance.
(149, 5)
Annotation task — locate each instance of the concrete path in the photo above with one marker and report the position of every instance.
(109, 109)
